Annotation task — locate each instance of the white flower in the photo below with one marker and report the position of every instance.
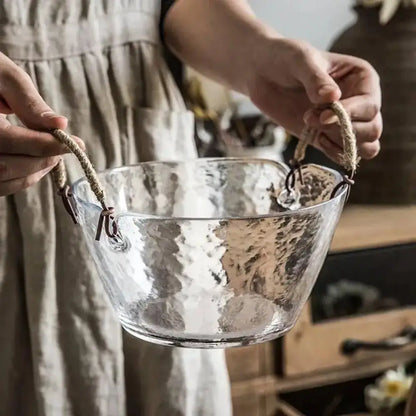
(390, 390)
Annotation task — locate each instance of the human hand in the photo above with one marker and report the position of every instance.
(291, 82)
(26, 154)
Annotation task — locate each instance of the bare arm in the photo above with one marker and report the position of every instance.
(287, 79)
(217, 37)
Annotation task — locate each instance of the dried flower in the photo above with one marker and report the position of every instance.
(389, 391)
(387, 7)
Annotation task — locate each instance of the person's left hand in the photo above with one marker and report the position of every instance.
(292, 81)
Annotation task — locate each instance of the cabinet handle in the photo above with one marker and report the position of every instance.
(404, 338)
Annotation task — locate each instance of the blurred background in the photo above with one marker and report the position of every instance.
(318, 22)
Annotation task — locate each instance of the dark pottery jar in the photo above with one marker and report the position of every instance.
(391, 49)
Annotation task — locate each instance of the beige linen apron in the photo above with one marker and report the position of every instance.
(62, 351)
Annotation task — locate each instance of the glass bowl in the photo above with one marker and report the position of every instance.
(207, 256)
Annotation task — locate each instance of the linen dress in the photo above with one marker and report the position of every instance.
(62, 351)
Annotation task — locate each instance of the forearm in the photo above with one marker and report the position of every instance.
(217, 37)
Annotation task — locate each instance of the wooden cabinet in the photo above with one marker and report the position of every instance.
(314, 348)
(310, 355)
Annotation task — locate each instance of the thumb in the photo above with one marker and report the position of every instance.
(312, 73)
(25, 101)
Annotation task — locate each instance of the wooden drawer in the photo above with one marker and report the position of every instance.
(248, 406)
(366, 295)
(311, 348)
(250, 362)
(314, 345)
(249, 365)
(256, 405)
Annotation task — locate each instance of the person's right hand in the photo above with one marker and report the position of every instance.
(26, 153)
(293, 83)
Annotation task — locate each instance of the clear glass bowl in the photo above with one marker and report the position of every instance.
(208, 257)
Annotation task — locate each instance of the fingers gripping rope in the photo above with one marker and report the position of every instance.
(106, 220)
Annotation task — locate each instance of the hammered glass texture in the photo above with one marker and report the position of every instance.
(207, 257)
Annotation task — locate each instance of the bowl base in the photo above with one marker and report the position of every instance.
(206, 342)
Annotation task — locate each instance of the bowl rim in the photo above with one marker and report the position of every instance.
(280, 165)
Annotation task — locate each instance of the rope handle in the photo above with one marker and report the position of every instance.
(349, 159)
(106, 220)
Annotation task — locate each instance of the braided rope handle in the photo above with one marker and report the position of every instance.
(59, 173)
(349, 159)
(60, 179)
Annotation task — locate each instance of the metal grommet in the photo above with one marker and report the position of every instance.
(69, 202)
(107, 221)
(290, 181)
(346, 181)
